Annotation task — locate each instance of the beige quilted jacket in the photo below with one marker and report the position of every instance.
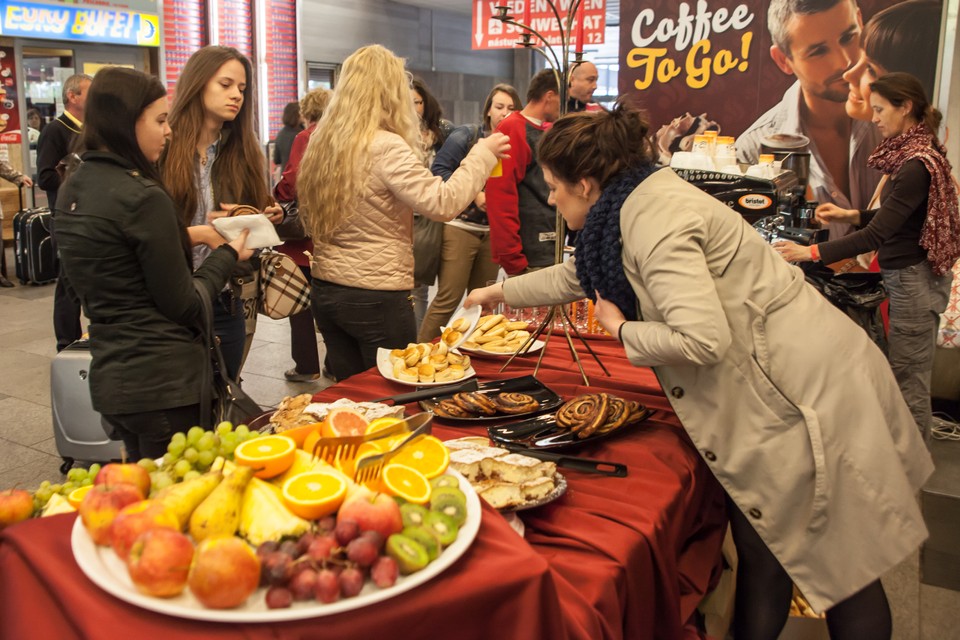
(373, 246)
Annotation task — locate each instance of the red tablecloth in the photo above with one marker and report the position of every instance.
(613, 558)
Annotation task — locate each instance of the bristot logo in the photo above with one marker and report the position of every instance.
(755, 201)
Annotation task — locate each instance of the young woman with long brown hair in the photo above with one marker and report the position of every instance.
(213, 163)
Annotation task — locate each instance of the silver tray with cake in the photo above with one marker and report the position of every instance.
(498, 400)
(586, 418)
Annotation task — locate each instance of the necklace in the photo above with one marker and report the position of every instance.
(203, 159)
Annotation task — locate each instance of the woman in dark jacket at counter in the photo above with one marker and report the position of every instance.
(127, 255)
(916, 232)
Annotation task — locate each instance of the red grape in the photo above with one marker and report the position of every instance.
(346, 531)
(279, 597)
(322, 548)
(363, 551)
(351, 582)
(303, 584)
(327, 587)
(384, 572)
(276, 567)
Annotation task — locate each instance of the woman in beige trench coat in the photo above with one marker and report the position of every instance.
(790, 404)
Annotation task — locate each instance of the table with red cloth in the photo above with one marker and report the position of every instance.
(613, 558)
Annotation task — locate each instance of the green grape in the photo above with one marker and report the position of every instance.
(76, 474)
(242, 432)
(207, 442)
(148, 463)
(181, 468)
(190, 455)
(205, 459)
(169, 459)
(194, 435)
(190, 475)
(43, 494)
(224, 428)
(86, 482)
(67, 487)
(161, 481)
(56, 488)
(179, 437)
(45, 484)
(176, 447)
(93, 470)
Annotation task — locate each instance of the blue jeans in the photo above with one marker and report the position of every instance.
(231, 328)
(917, 298)
(356, 322)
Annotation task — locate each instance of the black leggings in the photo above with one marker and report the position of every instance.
(764, 591)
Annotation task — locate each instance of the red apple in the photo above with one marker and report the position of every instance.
(159, 562)
(115, 473)
(137, 518)
(102, 504)
(15, 505)
(373, 512)
(225, 571)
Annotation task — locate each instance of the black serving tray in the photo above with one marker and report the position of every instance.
(549, 400)
(542, 432)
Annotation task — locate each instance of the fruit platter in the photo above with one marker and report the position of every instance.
(237, 526)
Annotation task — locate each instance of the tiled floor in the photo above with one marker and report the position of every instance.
(28, 454)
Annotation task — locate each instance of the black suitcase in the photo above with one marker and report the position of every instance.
(34, 255)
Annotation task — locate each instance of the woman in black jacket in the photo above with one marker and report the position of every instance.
(127, 256)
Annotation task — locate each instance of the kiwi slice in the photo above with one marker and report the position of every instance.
(444, 526)
(413, 514)
(427, 538)
(453, 505)
(445, 481)
(409, 554)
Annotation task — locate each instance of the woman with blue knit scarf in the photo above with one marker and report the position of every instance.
(820, 473)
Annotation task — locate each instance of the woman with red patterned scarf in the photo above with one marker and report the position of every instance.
(916, 232)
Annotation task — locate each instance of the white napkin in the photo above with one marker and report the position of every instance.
(262, 232)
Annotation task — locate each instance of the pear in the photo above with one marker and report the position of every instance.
(184, 497)
(219, 514)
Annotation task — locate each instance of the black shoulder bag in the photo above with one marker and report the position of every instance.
(220, 397)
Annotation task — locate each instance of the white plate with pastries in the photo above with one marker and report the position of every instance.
(498, 336)
(424, 365)
(462, 324)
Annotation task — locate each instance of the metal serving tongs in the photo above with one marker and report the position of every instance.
(369, 467)
(346, 446)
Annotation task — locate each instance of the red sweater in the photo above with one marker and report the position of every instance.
(502, 197)
(286, 190)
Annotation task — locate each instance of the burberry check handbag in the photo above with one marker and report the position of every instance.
(284, 291)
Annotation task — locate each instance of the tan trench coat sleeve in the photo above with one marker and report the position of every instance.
(412, 184)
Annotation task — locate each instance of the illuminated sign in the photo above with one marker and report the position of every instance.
(70, 22)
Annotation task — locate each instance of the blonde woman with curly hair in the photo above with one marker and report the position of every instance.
(358, 185)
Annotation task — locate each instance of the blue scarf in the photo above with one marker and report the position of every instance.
(600, 245)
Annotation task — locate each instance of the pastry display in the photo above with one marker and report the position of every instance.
(473, 404)
(425, 362)
(298, 411)
(598, 414)
(505, 480)
(497, 334)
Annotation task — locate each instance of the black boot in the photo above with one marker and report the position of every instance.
(3, 266)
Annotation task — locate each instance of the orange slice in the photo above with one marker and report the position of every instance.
(76, 496)
(343, 422)
(299, 434)
(381, 423)
(404, 482)
(428, 455)
(269, 455)
(386, 444)
(314, 494)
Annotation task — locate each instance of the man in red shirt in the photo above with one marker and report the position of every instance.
(522, 224)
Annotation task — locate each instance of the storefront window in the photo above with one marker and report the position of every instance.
(321, 75)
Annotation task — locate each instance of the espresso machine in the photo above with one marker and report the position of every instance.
(777, 206)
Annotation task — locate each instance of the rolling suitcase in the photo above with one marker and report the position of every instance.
(77, 431)
(36, 260)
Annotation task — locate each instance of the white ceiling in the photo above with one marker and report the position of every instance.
(464, 7)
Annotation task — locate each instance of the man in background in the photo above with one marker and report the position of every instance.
(55, 144)
(522, 223)
(583, 83)
(817, 41)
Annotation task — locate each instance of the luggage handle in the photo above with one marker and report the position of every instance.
(33, 195)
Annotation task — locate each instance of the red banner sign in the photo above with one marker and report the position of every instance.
(490, 33)
(9, 114)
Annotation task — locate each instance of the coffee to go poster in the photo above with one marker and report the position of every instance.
(728, 63)
(9, 116)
